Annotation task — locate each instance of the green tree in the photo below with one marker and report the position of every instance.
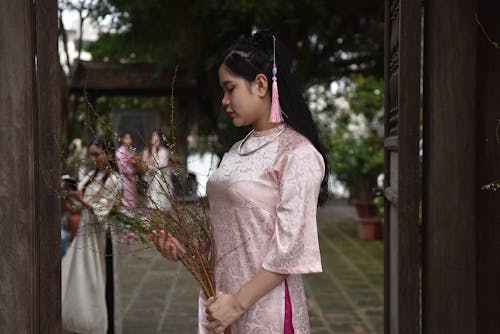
(355, 144)
(328, 38)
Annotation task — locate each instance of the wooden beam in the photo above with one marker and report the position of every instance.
(100, 79)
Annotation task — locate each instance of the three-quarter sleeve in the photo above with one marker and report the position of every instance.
(109, 195)
(294, 247)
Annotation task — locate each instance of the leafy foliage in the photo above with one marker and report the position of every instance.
(328, 38)
(355, 146)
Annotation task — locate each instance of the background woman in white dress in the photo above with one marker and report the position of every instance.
(156, 159)
(89, 270)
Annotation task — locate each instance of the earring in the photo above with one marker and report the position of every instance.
(276, 111)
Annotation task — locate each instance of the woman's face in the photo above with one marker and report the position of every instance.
(127, 140)
(155, 139)
(98, 157)
(243, 101)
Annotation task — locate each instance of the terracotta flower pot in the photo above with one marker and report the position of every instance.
(370, 228)
(365, 209)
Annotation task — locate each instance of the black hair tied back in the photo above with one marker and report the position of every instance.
(106, 144)
(251, 56)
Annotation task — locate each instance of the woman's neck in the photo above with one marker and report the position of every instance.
(263, 124)
(266, 127)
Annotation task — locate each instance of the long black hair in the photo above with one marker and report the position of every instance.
(126, 132)
(251, 56)
(161, 137)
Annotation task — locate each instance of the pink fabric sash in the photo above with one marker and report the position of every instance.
(288, 327)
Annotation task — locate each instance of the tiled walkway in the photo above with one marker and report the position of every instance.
(161, 297)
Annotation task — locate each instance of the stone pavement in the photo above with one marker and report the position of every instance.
(161, 297)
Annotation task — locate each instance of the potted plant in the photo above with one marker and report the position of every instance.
(355, 148)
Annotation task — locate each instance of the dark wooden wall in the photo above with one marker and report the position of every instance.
(29, 133)
(461, 222)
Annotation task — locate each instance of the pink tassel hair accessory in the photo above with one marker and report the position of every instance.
(275, 116)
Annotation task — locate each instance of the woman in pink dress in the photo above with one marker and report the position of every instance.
(125, 160)
(263, 199)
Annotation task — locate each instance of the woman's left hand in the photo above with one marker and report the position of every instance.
(222, 311)
(77, 196)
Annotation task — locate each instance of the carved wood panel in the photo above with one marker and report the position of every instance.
(401, 185)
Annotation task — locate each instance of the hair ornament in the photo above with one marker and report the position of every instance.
(276, 111)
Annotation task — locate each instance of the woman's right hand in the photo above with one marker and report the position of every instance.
(167, 245)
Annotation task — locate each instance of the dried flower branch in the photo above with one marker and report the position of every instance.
(172, 106)
(493, 186)
(187, 222)
(495, 44)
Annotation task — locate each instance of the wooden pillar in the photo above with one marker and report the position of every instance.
(29, 132)
(450, 150)
(488, 169)
(47, 134)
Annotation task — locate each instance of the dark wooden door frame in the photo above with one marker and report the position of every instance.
(449, 190)
(401, 184)
(461, 266)
(30, 249)
(460, 222)
(487, 154)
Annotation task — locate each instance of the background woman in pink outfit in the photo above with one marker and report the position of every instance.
(125, 160)
(263, 199)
